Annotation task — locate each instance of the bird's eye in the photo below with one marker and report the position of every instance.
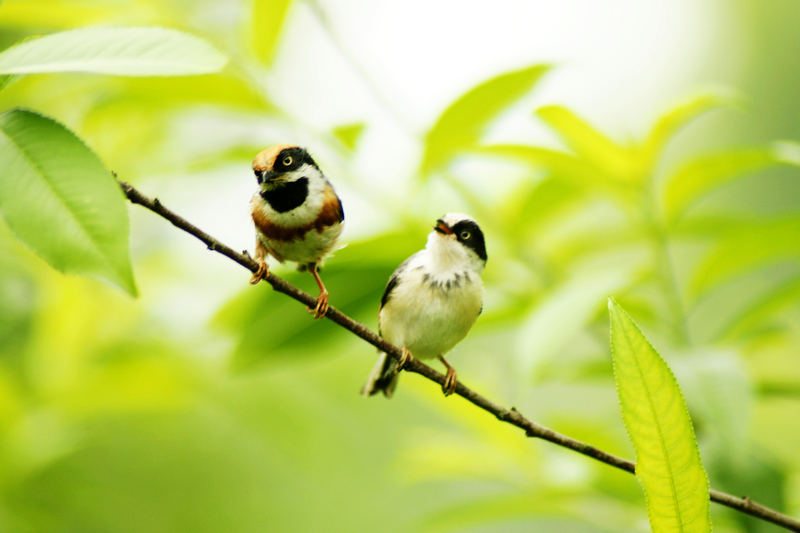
(465, 235)
(287, 160)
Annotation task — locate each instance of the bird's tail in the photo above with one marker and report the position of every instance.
(382, 379)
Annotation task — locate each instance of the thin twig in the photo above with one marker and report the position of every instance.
(511, 416)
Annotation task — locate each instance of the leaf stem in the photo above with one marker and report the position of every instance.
(666, 271)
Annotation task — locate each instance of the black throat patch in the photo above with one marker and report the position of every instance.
(288, 196)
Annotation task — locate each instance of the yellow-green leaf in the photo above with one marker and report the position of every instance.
(612, 160)
(749, 245)
(564, 165)
(668, 462)
(461, 125)
(267, 22)
(679, 116)
(699, 176)
(60, 200)
(349, 134)
(36, 15)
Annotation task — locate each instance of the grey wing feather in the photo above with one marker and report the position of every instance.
(393, 281)
(383, 377)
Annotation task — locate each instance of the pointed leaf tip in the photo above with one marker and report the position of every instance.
(461, 125)
(668, 462)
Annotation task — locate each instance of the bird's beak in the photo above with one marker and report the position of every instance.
(442, 228)
(267, 176)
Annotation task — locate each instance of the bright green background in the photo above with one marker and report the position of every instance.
(209, 405)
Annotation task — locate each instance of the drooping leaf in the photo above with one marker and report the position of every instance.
(668, 462)
(699, 176)
(60, 200)
(147, 51)
(461, 125)
(267, 22)
(616, 162)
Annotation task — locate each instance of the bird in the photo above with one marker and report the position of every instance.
(431, 301)
(296, 212)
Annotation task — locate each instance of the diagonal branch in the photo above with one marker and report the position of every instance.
(511, 416)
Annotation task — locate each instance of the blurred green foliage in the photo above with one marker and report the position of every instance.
(148, 415)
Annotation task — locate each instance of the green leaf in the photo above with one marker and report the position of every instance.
(274, 329)
(565, 166)
(751, 245)
(612, 160)
(461, 125)
(267, 22)
(349, 134)
(116, 51)
(755, 312)
(668, 462)
(60, 201)
(6, 80)
(699, 176)
(33, 15)
(678, 117)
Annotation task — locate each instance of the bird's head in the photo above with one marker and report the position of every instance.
(282, 164)
(460, 234)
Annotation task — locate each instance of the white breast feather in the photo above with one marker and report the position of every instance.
(426, 316)
(313, 248)
(315, 245)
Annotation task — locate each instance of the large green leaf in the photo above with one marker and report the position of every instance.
(699, 176)
(667, 458)
(118, 51)
(461, 125)
(266, 25)
(60, 200)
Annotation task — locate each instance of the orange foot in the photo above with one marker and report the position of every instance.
(322, 305)
(404, 360)
(450, 380)
(261, 273)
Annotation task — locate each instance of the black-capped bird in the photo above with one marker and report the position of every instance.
(296, 212)
(432, 300)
